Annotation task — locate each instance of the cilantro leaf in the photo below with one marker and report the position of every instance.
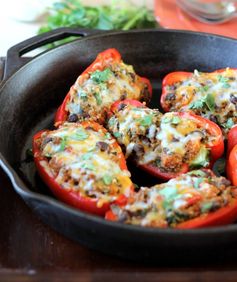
(210, 101)
(98, 98)
(79, 135)
(146, 120)
(101, 76)
(107, 179)
(171, 119)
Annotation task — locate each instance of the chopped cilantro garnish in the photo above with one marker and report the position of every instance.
(111, 121)
(79, 135)
(98, 98)
(107, 135)
(117, 134)
(107, 179)
(83, 95)
(200, 173)
(226, 85)
(146, 120)
(224, 80)
(197, 182)
(205, 207)
(101, 76)
(89, 166)
(206, 87)
(169, 193)
(171, 119)
(196, 104)
(63, 143)
(229, 123)
(210, 101)
(87, 156)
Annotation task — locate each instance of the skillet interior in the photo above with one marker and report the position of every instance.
(29, 98)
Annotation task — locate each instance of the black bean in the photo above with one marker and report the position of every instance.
(123, 96)
(213, 118)
(138, 149)
(233, 99)
(133, 76)
(46, 141)
(145, 94)
(103, 146)
(73, 118)
(123, 216)
(121, 107)
(170, 97)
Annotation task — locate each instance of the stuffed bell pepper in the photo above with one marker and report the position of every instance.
(105, 81)
(165, 145)
(193, 200)
(211, 95)
(83, 166)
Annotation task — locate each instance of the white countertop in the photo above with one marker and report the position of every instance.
(13, 30)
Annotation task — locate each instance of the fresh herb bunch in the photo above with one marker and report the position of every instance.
(119, 15)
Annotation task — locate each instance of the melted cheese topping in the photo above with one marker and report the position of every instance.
(86, 161)
(92, 98)
(180, 199)
(166, 141)
(212, 95)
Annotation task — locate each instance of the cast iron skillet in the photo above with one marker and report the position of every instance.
(30, 96)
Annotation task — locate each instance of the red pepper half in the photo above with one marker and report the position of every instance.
(71, 197)
(222, 216)
(216, 146)
(101, 62)
(173, 78)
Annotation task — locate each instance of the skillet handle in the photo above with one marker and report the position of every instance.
(14, 59)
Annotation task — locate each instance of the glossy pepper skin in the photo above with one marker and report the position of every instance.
(100, 63)
(222, 216)
(74, 198)
(231, 139)
(231, 166)
(216, 146)
(175, 77)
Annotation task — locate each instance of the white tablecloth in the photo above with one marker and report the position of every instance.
(13, 30)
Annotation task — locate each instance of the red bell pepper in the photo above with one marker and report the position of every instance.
(216, 146)
(72, 197)
(103, 60)
(222, 216)
(174, 77)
